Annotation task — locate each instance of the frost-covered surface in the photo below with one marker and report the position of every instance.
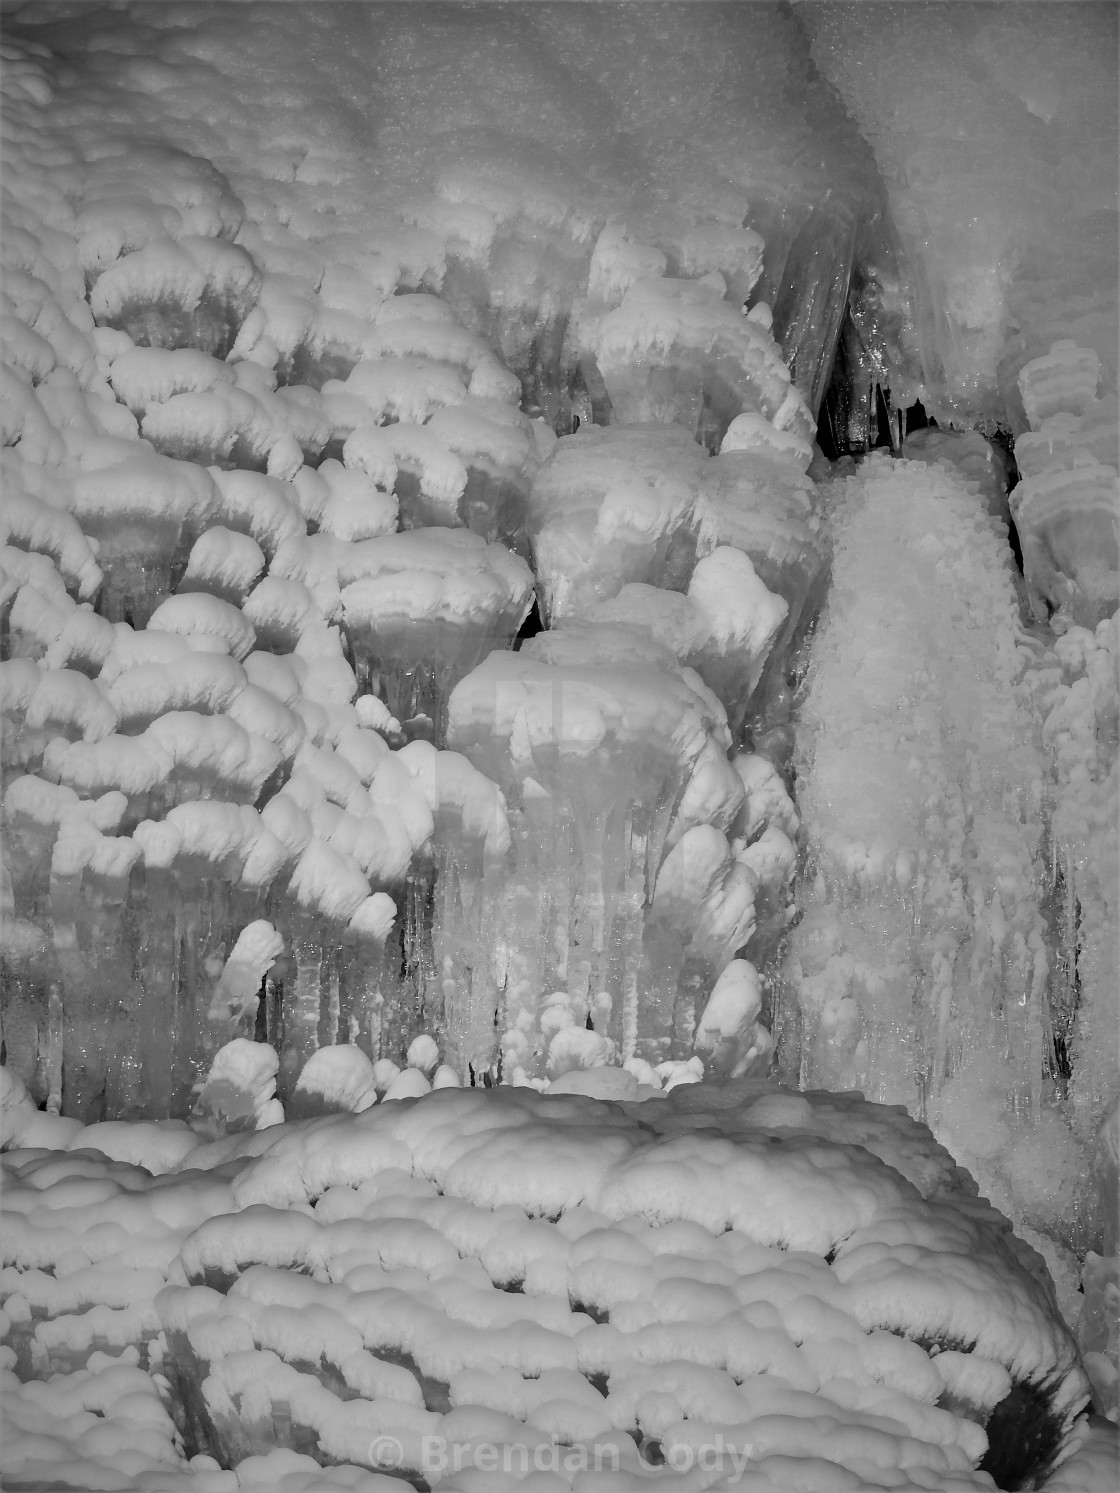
(801, 1286)
(921, 965)
(958, 788)
(995, 128)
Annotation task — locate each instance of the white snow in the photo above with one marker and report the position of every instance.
(392, 1286)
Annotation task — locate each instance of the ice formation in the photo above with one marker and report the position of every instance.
(314, 415)
(715, 1279)
(921, 953)
(291, 472)
(977, 277)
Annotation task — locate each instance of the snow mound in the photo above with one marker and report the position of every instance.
(733, 1272)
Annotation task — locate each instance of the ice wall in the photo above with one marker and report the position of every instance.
(271, 498)
(591, 120)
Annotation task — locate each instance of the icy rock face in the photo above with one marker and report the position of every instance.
(676, 350)
(471, 845)
(637, 869)
(269, 496)
(546, 241)
(239, 1092)
(809, 1275)
(764, 505)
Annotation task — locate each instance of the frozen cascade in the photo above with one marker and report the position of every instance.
(298, 398)
(920, 970)
(289, 442)
(596, 740)
(244, 695)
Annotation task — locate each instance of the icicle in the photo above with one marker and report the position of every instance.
(630, 921)
(56, 1015)
(361, 999)
(303, 999)
(157, 937)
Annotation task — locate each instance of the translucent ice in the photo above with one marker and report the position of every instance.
(594, 740)
(421, 609)
(193, 293)
(610, 506)
(678, 351)
(471, 846)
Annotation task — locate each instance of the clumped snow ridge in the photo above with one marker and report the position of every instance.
(802, 1281)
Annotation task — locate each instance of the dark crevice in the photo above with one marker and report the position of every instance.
(1024, 1436)
(597, 1314)
(530, 627)
(260, 1028)
(917, 419)
(1003, 443)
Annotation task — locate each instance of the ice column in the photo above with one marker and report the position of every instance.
(594, 740)
(206, 869)
(104, 1070)
(919, 972)
(470, 848)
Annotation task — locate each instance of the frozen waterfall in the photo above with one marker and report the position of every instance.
(921, 971)
(275, 520)
(455, 633)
